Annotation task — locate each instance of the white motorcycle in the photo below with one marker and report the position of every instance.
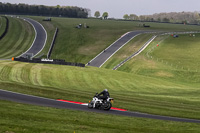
(100, 103)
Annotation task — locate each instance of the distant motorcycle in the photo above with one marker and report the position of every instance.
(100, 103)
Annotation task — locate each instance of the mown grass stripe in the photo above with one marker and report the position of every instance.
(22, 34)
(6, 42)
(35, 75)
(15, 45)
(6, 71)
(26, 39)
(16, 73)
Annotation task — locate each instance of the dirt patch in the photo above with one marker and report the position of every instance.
(151, 64)
(164, 74)
(148, 63)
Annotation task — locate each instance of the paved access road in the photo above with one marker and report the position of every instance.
(100, 59)
(28, 99)
(40, 38)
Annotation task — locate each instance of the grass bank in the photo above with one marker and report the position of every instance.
(22, 34)
(174, 59)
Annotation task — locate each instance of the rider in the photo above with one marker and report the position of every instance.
(105, 95)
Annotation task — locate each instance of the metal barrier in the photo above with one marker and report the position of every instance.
(52, 44)
(47, 61)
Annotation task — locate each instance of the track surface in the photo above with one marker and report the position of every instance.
(28, 99)
(100, 59)
(40, 38)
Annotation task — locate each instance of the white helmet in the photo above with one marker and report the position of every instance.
(106, 90)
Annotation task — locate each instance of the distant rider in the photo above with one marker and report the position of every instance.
(105, 94)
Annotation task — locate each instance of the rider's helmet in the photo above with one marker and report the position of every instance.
(106, 90)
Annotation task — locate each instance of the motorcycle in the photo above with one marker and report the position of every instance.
(100, 103)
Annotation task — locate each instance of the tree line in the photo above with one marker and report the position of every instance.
(104, 15)
(172, 17)
(25, 9)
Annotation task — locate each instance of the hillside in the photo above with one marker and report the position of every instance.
(175, 59)
(81, 45)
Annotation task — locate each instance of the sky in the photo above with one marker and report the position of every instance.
(117, 8)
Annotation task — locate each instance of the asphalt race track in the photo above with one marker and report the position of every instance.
(40, 38)
(100, 59)
(34, 100)
(136, 53)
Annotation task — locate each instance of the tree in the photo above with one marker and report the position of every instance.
(97, 14)
(58, 6)
(133, 17)
(142, 18)
(105, 15)
(126, 17)
(159, 19)
(166, 20)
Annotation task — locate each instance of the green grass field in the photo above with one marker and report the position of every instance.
(22, 34)
(162, 80)
(31, 119)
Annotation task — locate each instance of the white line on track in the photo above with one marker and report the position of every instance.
(118, 50)
(44, 41)
(35, 36)
(27, 95)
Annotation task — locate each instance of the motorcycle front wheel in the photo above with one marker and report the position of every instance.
(90, 105)
(107, 106)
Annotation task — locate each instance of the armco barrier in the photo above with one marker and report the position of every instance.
(6, 29)
(52, 44)
(54, 61)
